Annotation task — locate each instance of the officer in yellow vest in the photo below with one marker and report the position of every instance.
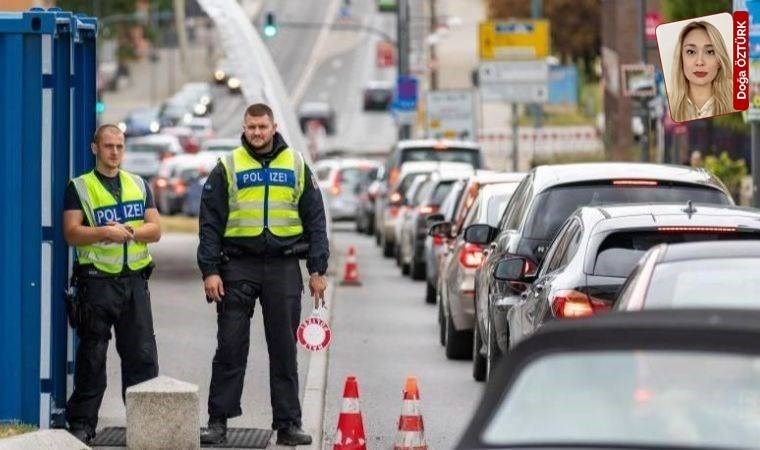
(260, 210)
(110, 217)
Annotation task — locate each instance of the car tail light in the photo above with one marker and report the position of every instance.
(437, 240)
(336, 184)
(178, 186)
(428, 209)
(161, 183)
(393, 211)
(471, 256)
(395, 197)
(634, 183)
(571, 304)
(696, 229)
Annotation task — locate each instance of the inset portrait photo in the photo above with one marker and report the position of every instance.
(697, 63)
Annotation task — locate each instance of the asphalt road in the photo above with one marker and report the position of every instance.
(185, 328)
(384, 331)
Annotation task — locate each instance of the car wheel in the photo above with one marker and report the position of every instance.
(458, 343)
(397, 255)
(417, 271)
(478, 360)
(441, 323)
(430, 293)
(493, 354)
(387, 247)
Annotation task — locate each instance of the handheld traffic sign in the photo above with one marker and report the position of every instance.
(314, 333)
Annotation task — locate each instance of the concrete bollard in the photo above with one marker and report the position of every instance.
(163, 413)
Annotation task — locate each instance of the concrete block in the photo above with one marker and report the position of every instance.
(163, 413)
(43, 440)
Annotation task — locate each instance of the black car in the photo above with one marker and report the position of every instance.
(543, 201)
(721, 274)
(597, 248)
(640, 380)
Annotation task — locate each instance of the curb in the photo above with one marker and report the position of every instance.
(316, 383)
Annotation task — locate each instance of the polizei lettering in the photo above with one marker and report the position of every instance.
(121, 213)
(263, 177)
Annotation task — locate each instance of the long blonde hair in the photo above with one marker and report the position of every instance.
(722, 88)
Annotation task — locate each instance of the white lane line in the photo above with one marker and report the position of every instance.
(316, 51)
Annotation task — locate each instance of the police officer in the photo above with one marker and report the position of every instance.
(109, 217)
(260, 204)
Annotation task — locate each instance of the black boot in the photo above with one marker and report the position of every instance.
(82, 433)
(292, 435)
(216, 433)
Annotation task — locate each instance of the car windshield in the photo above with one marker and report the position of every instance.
(703, 283)
(619, 252)
(554, 206)
(450, 154)
(639, 398)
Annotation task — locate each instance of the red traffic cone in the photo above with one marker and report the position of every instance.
(411, 430)
(351, 272)
(350, 432)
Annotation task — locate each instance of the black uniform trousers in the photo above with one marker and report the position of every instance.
(277, 283)
(124, 303)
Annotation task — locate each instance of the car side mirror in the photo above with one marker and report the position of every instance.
(513, 269)
(440, 229)
(480, 233)
(433, 218)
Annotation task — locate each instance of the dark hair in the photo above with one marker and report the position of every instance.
(102, 129)
(258, 110)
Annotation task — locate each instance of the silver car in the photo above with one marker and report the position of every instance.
(457, 278)
(340, 181)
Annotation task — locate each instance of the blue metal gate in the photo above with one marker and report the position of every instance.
(47, 114)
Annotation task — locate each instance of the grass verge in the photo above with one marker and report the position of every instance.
(179, 224)
(14, 429)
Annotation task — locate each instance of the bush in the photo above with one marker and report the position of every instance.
(728, 170)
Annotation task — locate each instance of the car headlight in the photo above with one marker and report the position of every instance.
(219, 75)
(154, 127)
(122, 126)
(233, 83)
(187, 118)
(200, 109)
(205, 100)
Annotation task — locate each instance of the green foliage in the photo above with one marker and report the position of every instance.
(13, 429)
(732, 122)
(728, 170)
(687, 9)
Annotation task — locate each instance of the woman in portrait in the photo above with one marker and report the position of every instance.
(701, 74)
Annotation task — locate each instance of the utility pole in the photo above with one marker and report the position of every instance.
(644, 101)
(536, 12)
(402, 31)
(433, 57)
(179, 22)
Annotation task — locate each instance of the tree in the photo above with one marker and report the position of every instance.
(686, 9)
(574, 25)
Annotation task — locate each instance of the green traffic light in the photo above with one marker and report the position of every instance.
(270, 30)
(270, 25)
(100, 108)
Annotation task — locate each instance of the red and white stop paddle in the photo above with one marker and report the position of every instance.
(313, 333)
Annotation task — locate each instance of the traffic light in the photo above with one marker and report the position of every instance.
(270, 26)
(100, 107)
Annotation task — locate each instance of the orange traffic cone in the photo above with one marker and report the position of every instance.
(351, 272)
(411, 430)
(350, 432)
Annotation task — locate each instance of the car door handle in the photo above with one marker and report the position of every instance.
(538, 287)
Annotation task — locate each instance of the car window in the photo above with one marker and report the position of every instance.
(517, 197)
(451, 154)
(495, 208)
(559, 248)
(518, 212)
(468, 199)
(452, 199)
(619, 252)
(705, 283)
(643, 398)
(424, 191)
(440, 191)
(553, 206)
(627, 288)
(473, 214)
(323, 173)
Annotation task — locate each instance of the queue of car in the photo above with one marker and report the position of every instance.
(599, 300)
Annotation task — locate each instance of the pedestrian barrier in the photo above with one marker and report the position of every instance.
(411, 430)
(351, 269)
(47, 114)
(350, 432)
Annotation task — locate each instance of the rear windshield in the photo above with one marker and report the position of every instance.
(147, 148)
(552, 207)
(464, 155)
(440, 192)
(353, 175)
(620, 252)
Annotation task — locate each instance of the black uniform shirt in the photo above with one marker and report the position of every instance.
(215, 210)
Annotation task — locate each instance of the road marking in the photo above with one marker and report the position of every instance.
(314, 58)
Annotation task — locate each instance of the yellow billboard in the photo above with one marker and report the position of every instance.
(514, 39)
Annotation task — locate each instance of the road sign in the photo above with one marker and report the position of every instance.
(450, 114)
(514, 39)
(405, 98)
(651, 20)
(514, 81)
(638, 80)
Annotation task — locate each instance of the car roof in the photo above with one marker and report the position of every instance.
(492, 189)
(412, 143)
(488, 177)
(709, 250)
(232, 142)
(339, 163)
(712, 330)
(545, 177)
(432, 166)
(622, 216)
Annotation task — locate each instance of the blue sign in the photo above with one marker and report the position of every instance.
(405, 98)
(753, 7)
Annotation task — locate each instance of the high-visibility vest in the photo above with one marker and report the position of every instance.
(264, 197)
(101, 207)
